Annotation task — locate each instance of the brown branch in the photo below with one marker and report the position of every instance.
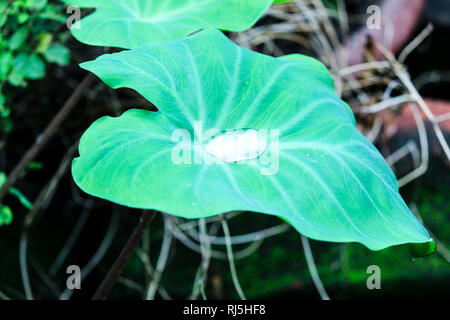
(115, 271)
(50, 187)
(46, 135)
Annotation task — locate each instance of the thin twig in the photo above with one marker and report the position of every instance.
(202, 271)
(415, 43)
(386, 103)
(24, 266)
(143, 255)
(184, 239)
(99, 253)
(46, 135)
(30, 219)
(234, 276)
(71, 240)
(115, 271)
(3, 296)
(253, 236)
(312, 269)
(406, 80)
(162, 260)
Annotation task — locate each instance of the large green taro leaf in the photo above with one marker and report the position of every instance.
(132, 23)
(331, 183)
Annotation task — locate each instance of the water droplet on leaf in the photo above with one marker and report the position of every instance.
(231, 146)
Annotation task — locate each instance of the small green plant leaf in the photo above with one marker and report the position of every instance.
(132, 23)
(3, 13)
(319, 173)
(16, 192)
(15, 78)
(18, 38)
(23, 17)
(29, 66)
(58, 54)
(37, 4)
(2, 104)
(6, 215)
(6, 61)
(22, 199)
(44, 40)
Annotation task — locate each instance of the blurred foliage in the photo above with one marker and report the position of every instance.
(278, 268)
(31, 35)
(6, 214)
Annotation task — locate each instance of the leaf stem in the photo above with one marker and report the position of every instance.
(124, 256)
(47, 134)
